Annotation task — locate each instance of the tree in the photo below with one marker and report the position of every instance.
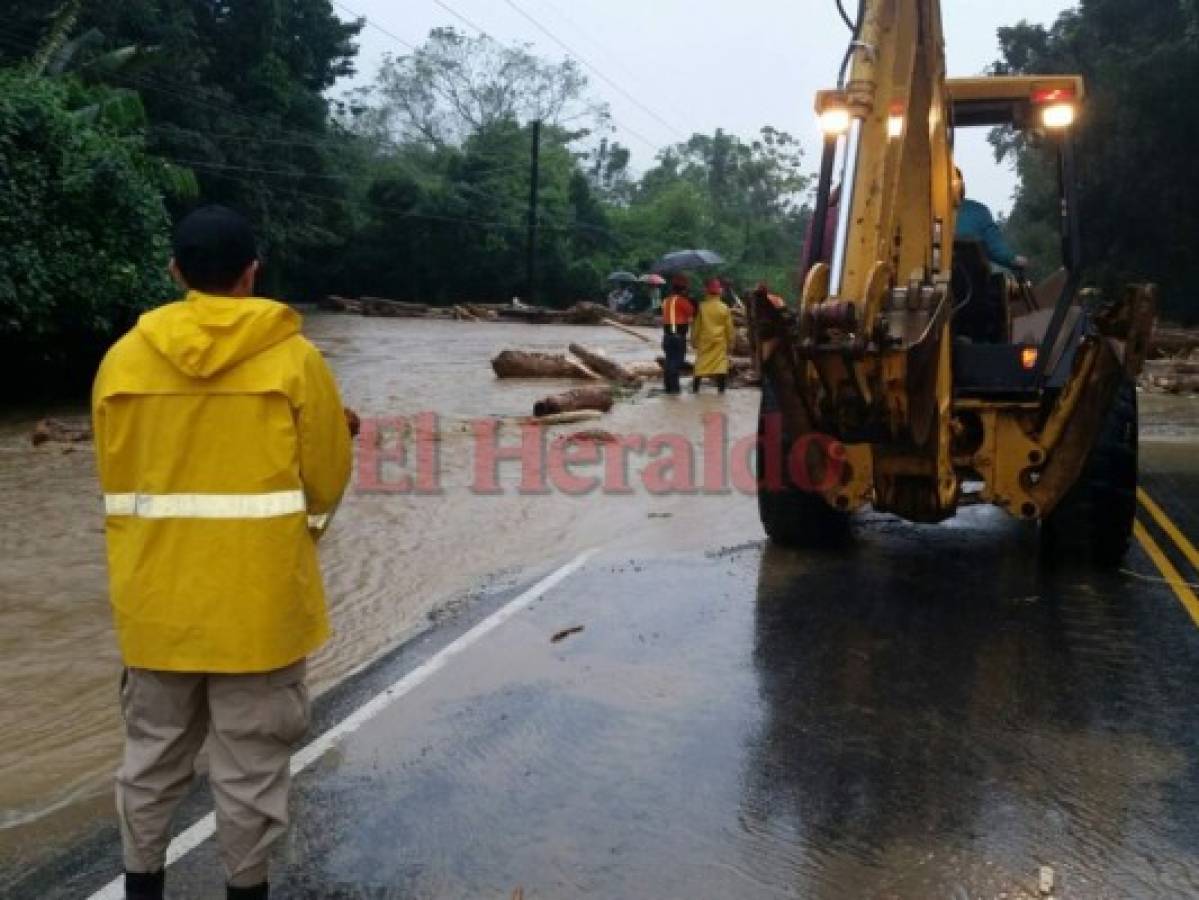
(745, 200)
(83, 232)
(456, 86)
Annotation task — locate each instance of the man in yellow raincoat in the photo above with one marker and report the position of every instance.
(223, 449)
(712, 337)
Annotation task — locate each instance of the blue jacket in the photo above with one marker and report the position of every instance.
(975, 223)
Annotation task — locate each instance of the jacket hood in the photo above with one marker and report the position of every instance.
(204, 335)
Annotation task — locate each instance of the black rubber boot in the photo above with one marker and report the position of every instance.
(255, 892)
(144, 885)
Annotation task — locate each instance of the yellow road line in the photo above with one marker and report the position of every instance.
(1169, 527)
(1173, 578)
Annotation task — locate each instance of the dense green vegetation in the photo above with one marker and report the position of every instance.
(1136, 146)
(82, 226)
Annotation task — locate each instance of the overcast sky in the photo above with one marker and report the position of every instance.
(702, 64)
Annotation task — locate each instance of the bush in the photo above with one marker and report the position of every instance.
(83, 235)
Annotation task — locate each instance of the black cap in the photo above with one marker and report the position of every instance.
(213, 246)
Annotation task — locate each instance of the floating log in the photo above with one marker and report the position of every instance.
(587, 314)
(531, 364)
(1168, 342)
(611, 323)
(393, 309)
(532, 315)
(334, 303)
(596, 435)
(597, 398)
(566, 418)
(480, 312)
(58, 432)
(605, 367)
(1175, 384)
(1167, 367)
(646, 370)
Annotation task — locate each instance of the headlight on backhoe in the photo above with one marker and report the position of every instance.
(834, 120)
(1057, 106)
(1058, 115)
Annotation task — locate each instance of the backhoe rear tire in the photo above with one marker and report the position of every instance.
(794, 518)
(1093, 523)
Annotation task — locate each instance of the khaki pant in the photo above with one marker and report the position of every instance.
(251, 722)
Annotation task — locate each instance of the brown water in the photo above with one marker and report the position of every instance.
(389, 561)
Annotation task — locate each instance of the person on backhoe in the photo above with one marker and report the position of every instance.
(677, 314)
(223, 449)
(976, 223)
(712, 337)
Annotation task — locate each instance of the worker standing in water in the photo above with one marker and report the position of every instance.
(677, 314)
(223, 449)
(712, 337)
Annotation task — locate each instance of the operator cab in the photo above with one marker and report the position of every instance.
(1014, 340)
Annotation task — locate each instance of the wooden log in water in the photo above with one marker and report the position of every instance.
(605, 367)
(55, 431)
(381, 307)
(598, 398)
(646, 370)
(531, 364)
(568, 418)
(532, 315)
(1173, 342)
(612, 323)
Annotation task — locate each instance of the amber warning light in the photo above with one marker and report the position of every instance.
(1028, 358)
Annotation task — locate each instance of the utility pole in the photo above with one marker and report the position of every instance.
(534, 190)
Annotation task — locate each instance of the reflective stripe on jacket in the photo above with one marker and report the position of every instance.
(677, 310)
(221, 443)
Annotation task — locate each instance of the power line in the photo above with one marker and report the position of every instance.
(375, 25)
(653, 145)
(461, 18)
(595, 69)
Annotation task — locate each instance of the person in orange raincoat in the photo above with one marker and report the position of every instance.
(712, 336)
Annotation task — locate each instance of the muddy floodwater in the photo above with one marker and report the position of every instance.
(392, 560)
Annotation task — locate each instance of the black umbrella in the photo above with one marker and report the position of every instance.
(623, 278)
(687, 259)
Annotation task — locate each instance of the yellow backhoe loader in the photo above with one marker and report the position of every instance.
(912, 377)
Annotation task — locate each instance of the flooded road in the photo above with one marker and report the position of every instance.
(928, 715)
(390, 561)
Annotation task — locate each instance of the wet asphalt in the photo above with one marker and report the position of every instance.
(928, 713)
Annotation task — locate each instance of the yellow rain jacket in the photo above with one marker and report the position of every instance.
(712, 336)
(223, 449)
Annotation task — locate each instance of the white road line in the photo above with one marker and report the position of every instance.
(197, 834)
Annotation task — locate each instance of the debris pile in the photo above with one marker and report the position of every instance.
(582, 313)
(55, 431)
(1173, 364)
